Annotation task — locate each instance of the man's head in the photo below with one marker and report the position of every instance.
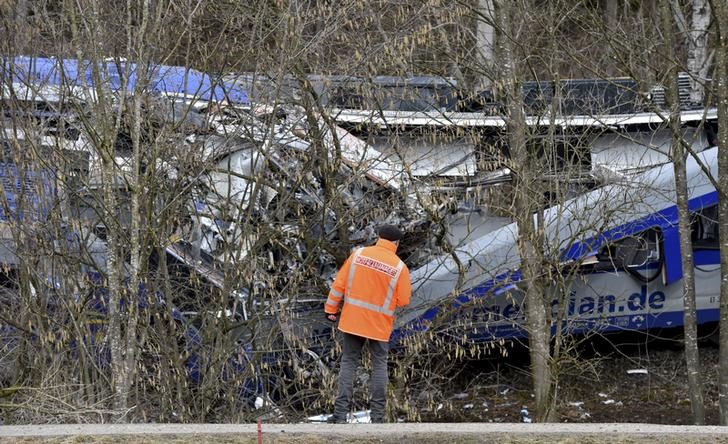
(390, 233)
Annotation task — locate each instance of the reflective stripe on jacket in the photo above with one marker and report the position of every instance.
(372, 283)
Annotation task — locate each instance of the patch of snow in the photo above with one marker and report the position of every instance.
(525, 416)
(603, 395)
(360, 417)
(612, 401)
(468, 406)
(637, 371)
(319, 418)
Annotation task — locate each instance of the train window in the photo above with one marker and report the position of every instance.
(704, 228)
(638, 253)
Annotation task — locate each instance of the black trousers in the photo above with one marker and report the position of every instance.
(350, 360)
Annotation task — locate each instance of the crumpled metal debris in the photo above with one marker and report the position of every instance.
(250, 154)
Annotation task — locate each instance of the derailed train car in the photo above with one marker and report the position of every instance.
(619, 246)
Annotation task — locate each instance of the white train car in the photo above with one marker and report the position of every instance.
(619, 246)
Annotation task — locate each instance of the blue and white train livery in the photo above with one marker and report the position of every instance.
(620, 243)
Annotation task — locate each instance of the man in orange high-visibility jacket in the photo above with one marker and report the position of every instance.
(372, 283)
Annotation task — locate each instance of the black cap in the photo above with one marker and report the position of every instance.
(390, 233)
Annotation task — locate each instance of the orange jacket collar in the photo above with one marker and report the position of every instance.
(389, 245)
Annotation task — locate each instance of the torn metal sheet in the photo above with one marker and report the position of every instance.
(432, 156)
(355, 153)
(360, 156)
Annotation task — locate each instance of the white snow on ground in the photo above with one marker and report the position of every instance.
(361, 417)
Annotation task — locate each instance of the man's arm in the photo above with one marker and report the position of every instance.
(338, 288)
(404, 288)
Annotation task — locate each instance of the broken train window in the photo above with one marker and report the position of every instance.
(638, 254)
(704, 228)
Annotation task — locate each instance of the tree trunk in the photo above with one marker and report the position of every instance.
(108, 123)
(698, 59)
(679, 156)
(611, 11)
(530, 241)
(720, 10)
(21, 26)
(485, 42)
(136, 43)
(692, 354)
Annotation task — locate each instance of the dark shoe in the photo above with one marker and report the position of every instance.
(377, 420)
(333, 419)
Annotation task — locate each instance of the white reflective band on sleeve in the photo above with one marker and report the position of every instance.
(352, 269)
(332, 303)
(393, 285)
(336, 293)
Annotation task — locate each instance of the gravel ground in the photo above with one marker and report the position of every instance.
(365, 433)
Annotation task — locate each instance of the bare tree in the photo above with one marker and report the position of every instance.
(699, 56)
(485, 42)
(526, 202)
(720, 13)
(678, 157)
